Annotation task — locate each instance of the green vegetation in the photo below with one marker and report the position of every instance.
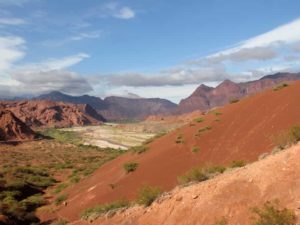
(271, 214)
(195, 149)
(222, 221)
(179, 139)
(102, 209)
(20, 193)
(199, 120)
(63, 136)
(59, 188)
(59, 222)
(60, 199)
(287, 138)
(204, 129)
(148, 194)
(139, 149)
(200, 174)
(130, 167)
(233, 100)
(281, 86)
(237, 163)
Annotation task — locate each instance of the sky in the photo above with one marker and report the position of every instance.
(148, 48)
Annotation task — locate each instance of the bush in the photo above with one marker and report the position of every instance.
(130, 167)
(196, 174)
(199, 120)
(179, 139)
(101, 209)
(60, 199)
(148, 194)
(271, 214)
(287, 138)
(200, 174)
(204, 129)
(233, 100)
(195, 149)
(237, 163)
(281, 86)
(222, 221)
(139, 149)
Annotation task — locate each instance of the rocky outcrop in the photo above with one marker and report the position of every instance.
(42, 113)
(13, 129)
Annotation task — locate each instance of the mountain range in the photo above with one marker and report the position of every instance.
(203, 98)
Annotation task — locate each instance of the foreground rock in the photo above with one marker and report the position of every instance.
(37, 113)
(230, 195)
(13, 129)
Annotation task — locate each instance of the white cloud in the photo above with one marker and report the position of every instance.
(12, 50)
(115, 10)
(14, 2)
(86, 35)
(125, 13)
(55, 64)
(12, 21)
(285, 34)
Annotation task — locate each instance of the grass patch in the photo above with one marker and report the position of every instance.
(281, 86)
(139, 149)
(287, 138)
(60, 199)
(63, 136)
(237, 163)
(148, 194)
(201, 130)
(234, 100)
(200, 174)
(130, 167)
(199, 120)
(222, 221)
(179, 139)
(102, 209)
(59, 188)
(195, 149)
(272, 214)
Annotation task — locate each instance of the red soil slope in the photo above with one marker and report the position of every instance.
(42, 113)
(242, 132)
(230, 195)
(13, 129)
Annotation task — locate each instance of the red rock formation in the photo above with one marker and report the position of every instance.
(42, 113)
(13, 129)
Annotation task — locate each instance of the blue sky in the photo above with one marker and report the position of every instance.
(148, 47)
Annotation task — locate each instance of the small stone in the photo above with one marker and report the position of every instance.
(179, 198)
(195, 196)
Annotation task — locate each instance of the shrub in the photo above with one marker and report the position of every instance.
(200, 174)
(271, 214)
(148, 194)
(204, 129)
(179, 139)
(33, 202)
(199, 120)
(195, 149)
(60, 199)
(139, 149)
(237, 163)
(101, 209)
(59, 222)
(287, 138)
(281, 86)
(196, 174)
(130, 167)
(233, 100)
(60, 187)
(222, 221)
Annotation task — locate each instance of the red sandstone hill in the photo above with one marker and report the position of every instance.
(205, 97)
(240, 131)
(41, 113)
(13, 129)
(230, 195)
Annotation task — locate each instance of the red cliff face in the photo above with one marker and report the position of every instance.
(42, 113)
(13, 129)
(205, 98)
